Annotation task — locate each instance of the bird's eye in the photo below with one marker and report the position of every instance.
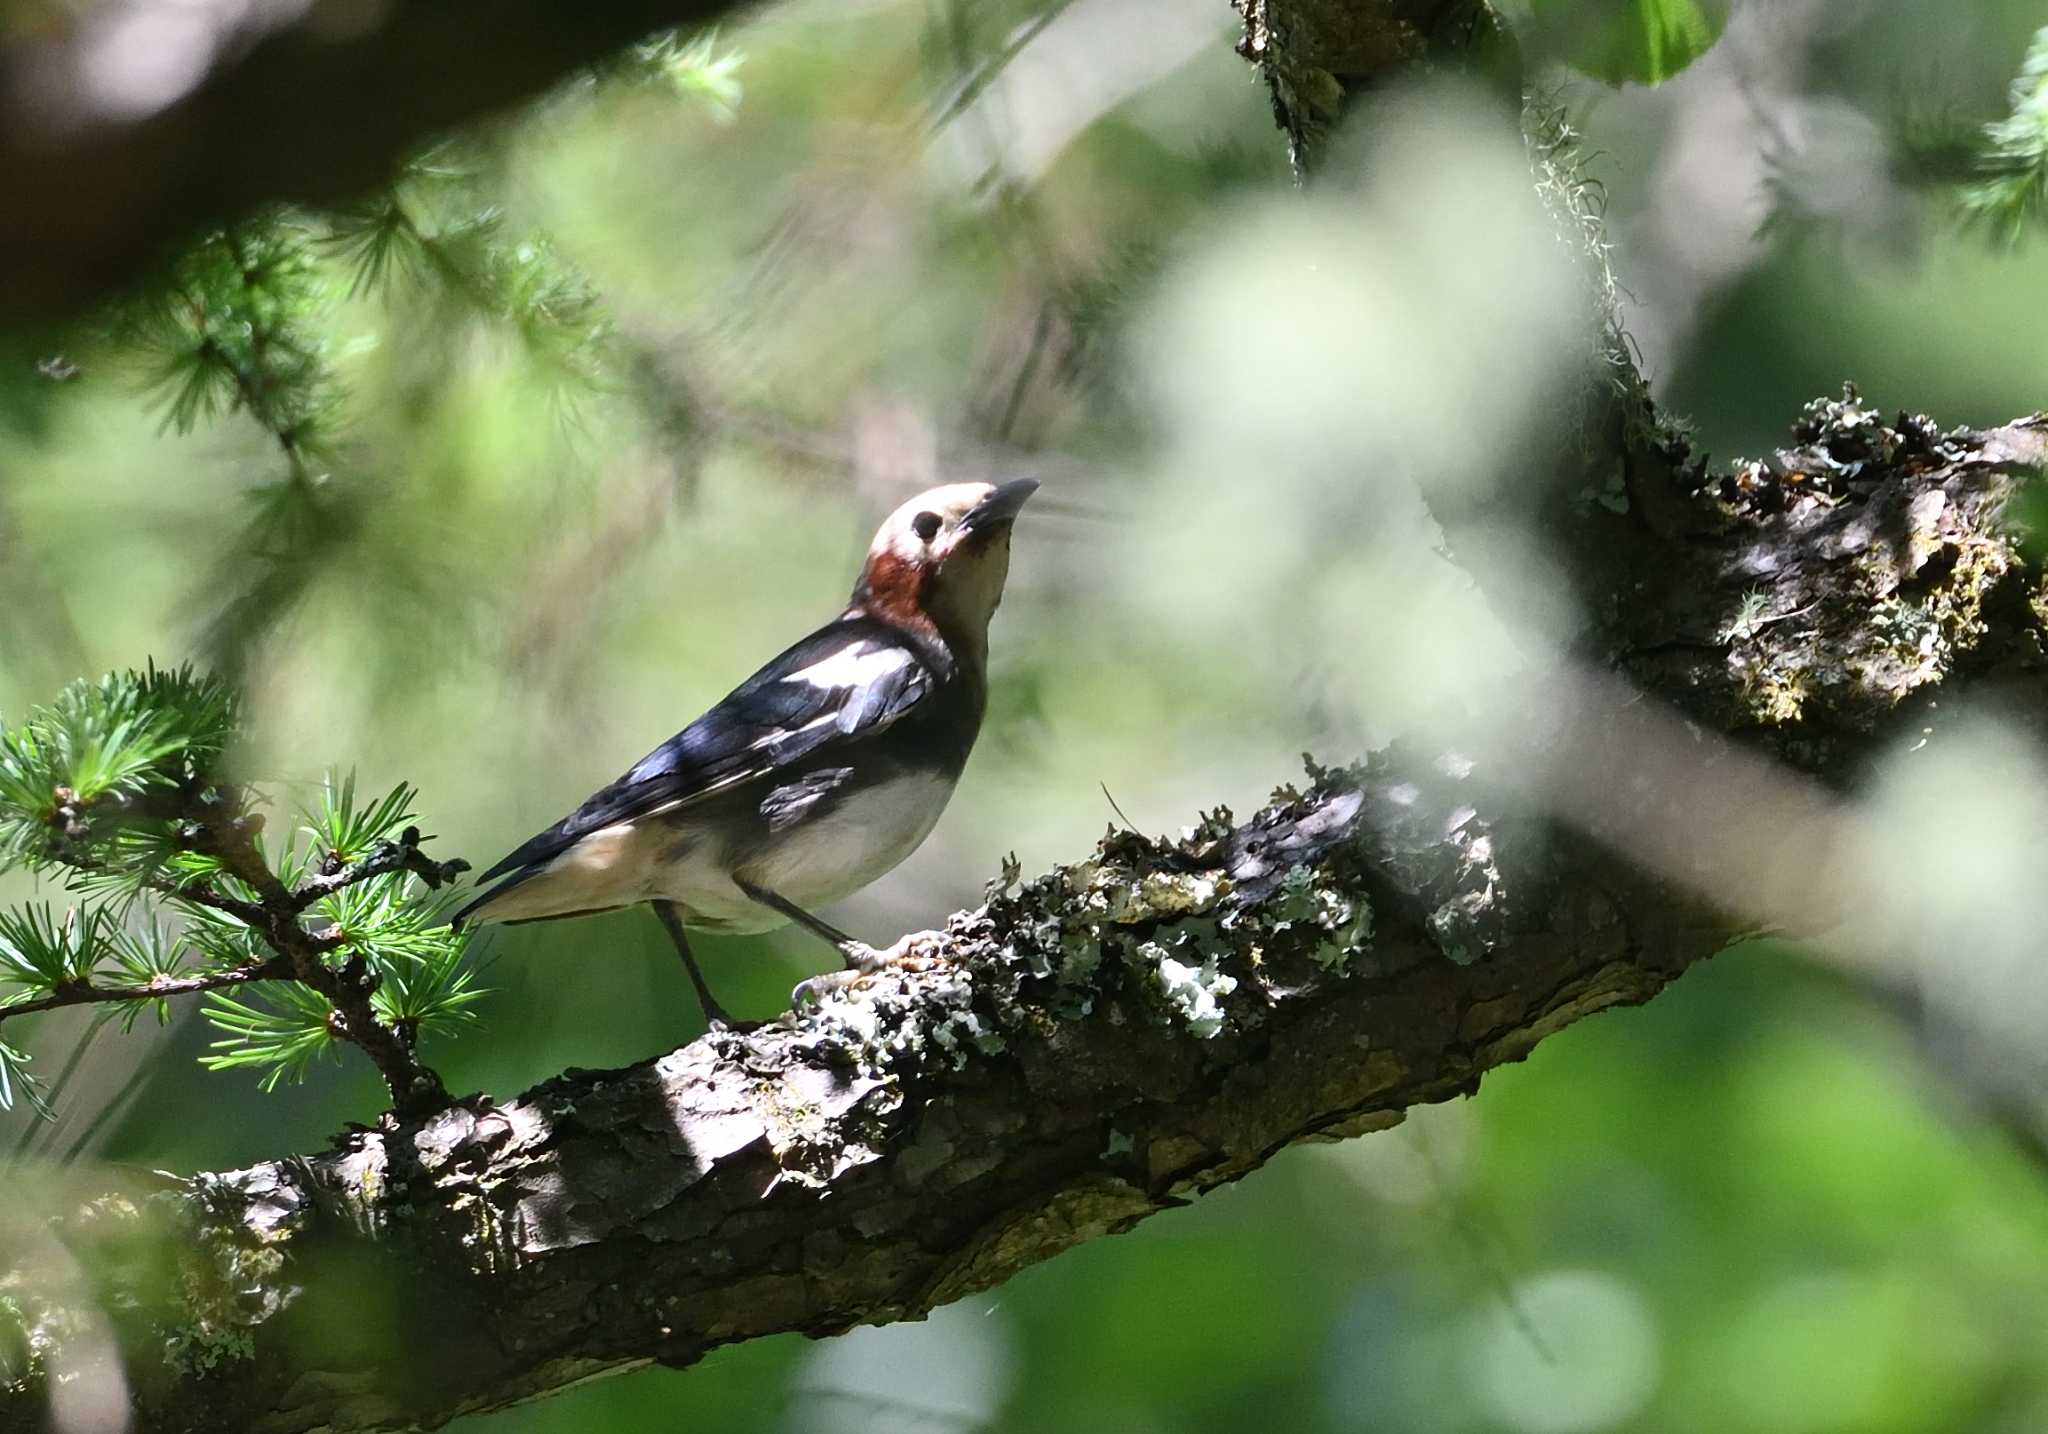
(926, 526)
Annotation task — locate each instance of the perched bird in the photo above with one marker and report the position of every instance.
(813, 777)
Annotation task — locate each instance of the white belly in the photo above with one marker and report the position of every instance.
(818, 860)
(814, 861)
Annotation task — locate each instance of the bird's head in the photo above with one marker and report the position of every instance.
(939, 561)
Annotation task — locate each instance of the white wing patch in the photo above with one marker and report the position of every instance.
(776, 739)
(852, 667)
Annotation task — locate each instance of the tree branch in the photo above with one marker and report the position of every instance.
(1086, 1050)
(107, 177)
(1099, 1045)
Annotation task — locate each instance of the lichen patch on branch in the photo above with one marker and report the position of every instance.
(1843, 575)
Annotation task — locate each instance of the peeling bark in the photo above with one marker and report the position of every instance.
(1083, 1051)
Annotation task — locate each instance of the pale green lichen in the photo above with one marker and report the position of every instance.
(1143, 930)
(216, 1329)
(230, 1278)
(204, 1346)
(1106, 892)
(1919, 560)
(1089, 901)
(1195, 993)
(1772, 696)
(1346, 921)
(1349, 924)
(1064, 950)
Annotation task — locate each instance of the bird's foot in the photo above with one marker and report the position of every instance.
(912, 952)
(807, 995)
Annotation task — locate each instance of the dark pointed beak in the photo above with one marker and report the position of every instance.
(1000, 507)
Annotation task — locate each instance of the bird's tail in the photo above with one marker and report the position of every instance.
(478, 910)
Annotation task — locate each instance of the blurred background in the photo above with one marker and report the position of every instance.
(740, 309)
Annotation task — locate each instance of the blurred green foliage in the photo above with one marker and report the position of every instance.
(1619, 41)
(548, 446)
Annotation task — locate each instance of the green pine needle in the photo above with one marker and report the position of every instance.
(101, 747)
(1997, 173)
(40, 951)
(434, 992)
(2007, 197)
(235, 329)
(346, 832)
(692, 68)
(379, 243)
(219, 939)
(280, 1030)
(16, 1083)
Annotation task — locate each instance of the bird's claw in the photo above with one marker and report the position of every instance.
(809, 994)
(862, 960)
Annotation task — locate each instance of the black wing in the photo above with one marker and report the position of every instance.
(849, 679)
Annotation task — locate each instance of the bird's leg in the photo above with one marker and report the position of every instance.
(860, 957)
(714, 1014)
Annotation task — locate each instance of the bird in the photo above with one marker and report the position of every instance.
(811, 779)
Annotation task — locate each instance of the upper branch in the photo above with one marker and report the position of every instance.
(104, 177)
(1318, 56)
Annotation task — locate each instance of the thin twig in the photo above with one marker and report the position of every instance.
(246, 912)
(1129, 826)
(988, 67)
(247, 387)
(386, 857)
(276, 968)
(1041, 333)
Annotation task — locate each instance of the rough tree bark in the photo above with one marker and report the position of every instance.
(1085, 1050)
